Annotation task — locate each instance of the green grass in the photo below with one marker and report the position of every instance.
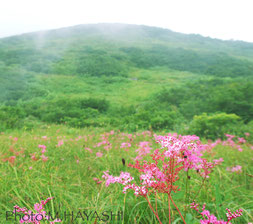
(137, 87)
(73, 188)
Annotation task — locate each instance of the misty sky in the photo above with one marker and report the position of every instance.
(224, 19)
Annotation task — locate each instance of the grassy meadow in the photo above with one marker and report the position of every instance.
(68, 175)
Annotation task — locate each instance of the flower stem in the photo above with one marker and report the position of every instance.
(156, 202)
(186, 192)
(203, 181)
(153, 210)
(177, 208)
(169, 209)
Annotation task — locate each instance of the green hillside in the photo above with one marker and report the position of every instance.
(126, 76)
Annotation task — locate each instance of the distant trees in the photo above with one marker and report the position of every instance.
(217, 64)
(194, 98)
(90, 62)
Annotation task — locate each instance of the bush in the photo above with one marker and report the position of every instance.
(11, 117)
(215, 125)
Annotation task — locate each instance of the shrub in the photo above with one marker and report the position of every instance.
(11, 117)
(215, 125)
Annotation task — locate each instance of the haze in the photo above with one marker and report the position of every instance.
(226, 19)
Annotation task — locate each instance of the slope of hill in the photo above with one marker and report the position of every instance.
(126, 76)
(81, 48)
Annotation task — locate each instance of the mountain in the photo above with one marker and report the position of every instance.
(93, 49)
(120, 75)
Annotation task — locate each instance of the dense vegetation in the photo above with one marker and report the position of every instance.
(127, 77)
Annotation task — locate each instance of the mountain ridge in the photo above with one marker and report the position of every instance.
(83, 48)
(125, 24)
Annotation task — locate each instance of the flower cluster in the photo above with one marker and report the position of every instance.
(208, 218)
(189, 150)
(235, 169)
(35, 217)
(161, 172)
(143, 150)
(124, 178)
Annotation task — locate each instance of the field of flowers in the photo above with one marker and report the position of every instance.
(70, 175)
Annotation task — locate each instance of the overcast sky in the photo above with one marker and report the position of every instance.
(224, 19)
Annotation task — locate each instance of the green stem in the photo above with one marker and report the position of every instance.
(203, 181)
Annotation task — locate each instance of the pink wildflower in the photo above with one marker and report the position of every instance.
(10, 159)
(235, 169)
(97, 180)
(44, 158)
(33, 157)
(124, 178)
(88, 149)
(241, 140)
(143, 150)
(125, 145)
(43, 148)
(99, 154)
(37, 216)
(60, 143)
(208, 218)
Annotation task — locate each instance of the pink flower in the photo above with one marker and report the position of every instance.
(107, 147)
(229, 136)
(124, 178)
(99, 154)
(125, 145)
(43, 147)
(239, 148)
(97, 180)
(88, 149)
(208, 218)
(38, 216)
(60, 143)
(235, 169)
(10, 159)
(241, 140)
(44, 158)
(33, 157)
(143, 150)
(30, 167)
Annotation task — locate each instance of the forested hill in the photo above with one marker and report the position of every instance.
(128, 77)
(111, 49)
